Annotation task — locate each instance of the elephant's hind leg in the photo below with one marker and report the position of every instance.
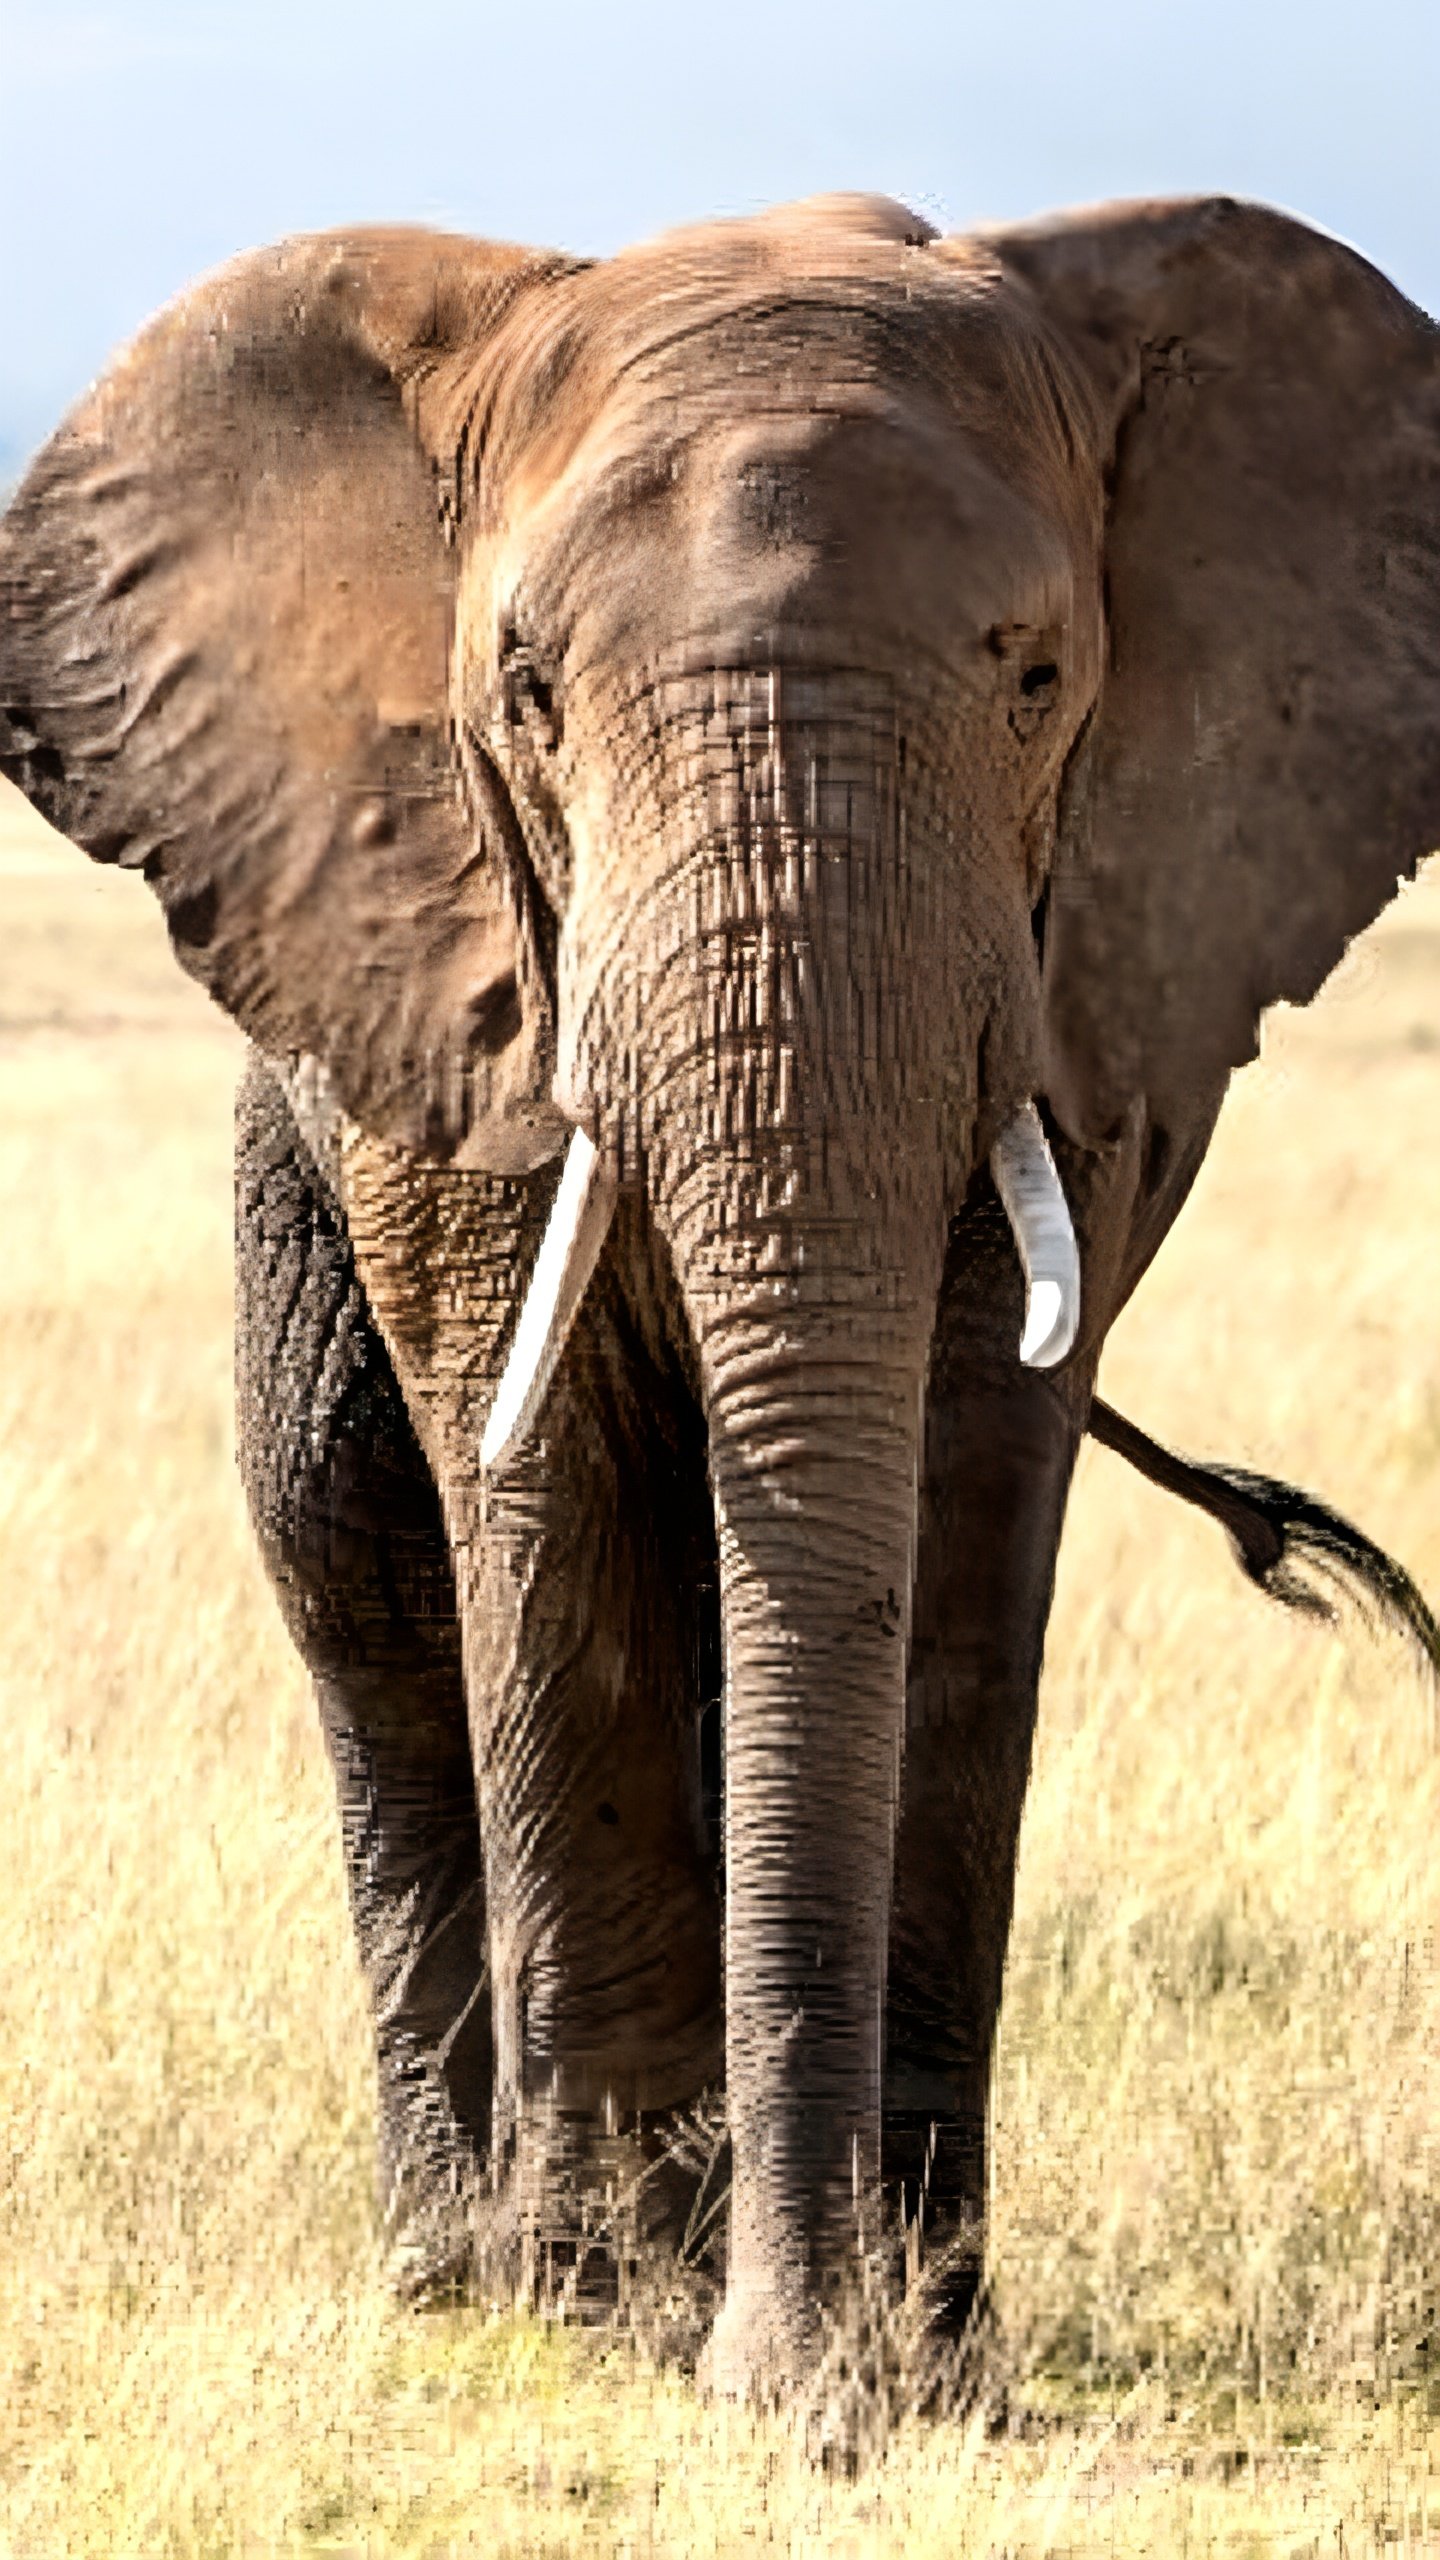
(349, 1524)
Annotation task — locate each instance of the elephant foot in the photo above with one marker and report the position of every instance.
(748, 2355)
(814, 2370)
(874, 2366)
(453, 2243)
(441, 2225)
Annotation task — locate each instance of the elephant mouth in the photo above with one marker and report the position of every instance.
(1025, 1176)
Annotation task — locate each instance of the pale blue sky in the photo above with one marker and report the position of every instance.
(143, 140)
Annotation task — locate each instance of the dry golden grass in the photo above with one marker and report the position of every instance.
(1217, 2207)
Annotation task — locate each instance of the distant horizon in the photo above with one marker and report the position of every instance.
(144, 141)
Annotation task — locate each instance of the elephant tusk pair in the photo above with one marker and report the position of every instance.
(1025, 1177)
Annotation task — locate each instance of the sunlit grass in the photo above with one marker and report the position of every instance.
(1217, 2158)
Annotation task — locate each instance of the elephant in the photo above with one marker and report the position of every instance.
(750, 797)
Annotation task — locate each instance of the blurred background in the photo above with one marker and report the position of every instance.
(145, 140)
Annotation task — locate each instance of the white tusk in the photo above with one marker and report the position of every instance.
(1030, 1188)
(569, 1250)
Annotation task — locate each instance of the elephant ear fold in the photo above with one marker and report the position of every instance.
(226, 609)
(1263, 761)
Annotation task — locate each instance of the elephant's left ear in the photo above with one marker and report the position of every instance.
(226, 612)
(1264, 758)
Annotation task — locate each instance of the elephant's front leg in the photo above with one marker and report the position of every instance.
(576, 1574)
(999, 1451)
(349, 1523)
(579, 1603)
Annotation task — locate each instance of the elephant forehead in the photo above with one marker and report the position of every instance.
(864, 510)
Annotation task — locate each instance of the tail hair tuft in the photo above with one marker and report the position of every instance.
(1292, 1547)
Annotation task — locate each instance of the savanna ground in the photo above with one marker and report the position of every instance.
(1217, 2163)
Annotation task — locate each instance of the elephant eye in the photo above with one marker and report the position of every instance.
(539, 694)
(528, 695)
(1038, 688)
(1034, 676)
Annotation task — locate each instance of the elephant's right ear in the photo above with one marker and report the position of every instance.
(226, 609)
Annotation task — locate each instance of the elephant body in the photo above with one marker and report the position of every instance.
(772, 714)
(600, 2001)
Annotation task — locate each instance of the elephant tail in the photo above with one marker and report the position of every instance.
(1294, 1548)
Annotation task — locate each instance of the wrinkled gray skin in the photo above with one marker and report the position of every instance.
(890, 678)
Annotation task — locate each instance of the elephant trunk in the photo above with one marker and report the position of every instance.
(814, 1440)
(791, 1070)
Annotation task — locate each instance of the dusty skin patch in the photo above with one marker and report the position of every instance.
(1215, 2237)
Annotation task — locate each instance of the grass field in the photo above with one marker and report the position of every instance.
(1217, 2182)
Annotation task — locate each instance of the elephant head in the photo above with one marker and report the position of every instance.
(783, 703)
